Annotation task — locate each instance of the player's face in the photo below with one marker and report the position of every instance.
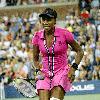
(48, 23)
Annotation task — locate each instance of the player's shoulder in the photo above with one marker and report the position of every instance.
(61, 30)
(39, 32)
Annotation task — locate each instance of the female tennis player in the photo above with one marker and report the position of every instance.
(52, 43)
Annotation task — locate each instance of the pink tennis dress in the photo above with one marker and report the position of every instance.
(54, 59)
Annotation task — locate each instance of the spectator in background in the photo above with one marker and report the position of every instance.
(96, 73)
(83, 4)
(3, 3)
(33, 18)
(11, 2)
(69, 27)
(82, 73)
(85, 15)
(97, 52)
(95, 3)
(23, 2)
(95, 15)
(98, 29)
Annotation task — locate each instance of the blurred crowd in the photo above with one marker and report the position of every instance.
(16, 48)
(15, 44)
(86, 30)
(4, 3)
(82, 3)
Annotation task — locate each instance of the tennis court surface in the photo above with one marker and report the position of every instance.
(74, 97)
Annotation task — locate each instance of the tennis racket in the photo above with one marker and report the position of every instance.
(25, 87)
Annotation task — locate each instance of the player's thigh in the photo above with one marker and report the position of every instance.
(58, 92)
(44, 94)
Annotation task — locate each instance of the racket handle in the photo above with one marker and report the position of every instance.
(39, 77)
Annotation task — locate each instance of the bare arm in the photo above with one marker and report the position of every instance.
(79, 52)
(36, 56)
(78, 57)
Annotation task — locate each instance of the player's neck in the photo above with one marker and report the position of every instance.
(50, 32)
